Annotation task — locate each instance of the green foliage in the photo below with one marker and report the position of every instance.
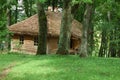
(87, 1)
(13, 2)
(3, 29)
(42, 1)
(106, 19)
(56, 67)
(78, 1)
(80, 12)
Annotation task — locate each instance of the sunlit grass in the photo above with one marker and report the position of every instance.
(56, 67)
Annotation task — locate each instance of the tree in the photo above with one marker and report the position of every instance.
(42, 35)
(16, 11)
(91, 28)
(5, 22)
(28, 7)
(65, 30)
(54, 4)
(83, 51)
(103, 47)
(107, 13)
(8, 24)
(113, 18)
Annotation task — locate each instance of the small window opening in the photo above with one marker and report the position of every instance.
(36, 41)
(21, 40)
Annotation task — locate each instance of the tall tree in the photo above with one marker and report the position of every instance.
(9, 22)
(91, 29)
(110, 28)
(112, 50)
(42, 35)
(54, 4)
(83, 50)
(103, 47)
(3, 28)
(65, 30)
(16, 11)
(28, 7)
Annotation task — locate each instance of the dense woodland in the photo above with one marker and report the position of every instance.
(100, 20)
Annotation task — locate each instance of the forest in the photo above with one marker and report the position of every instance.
(100, 21)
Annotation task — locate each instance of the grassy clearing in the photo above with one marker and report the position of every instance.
(56, 67)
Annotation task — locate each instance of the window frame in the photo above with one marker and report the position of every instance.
(35, 41)
(21, 39)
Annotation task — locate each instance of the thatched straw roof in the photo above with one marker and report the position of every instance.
(29, 26)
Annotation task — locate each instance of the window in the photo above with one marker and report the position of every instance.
(21, 39)
(36, 41)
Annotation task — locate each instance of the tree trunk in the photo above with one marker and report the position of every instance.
(65, 30)
(103, 47)
(118, 53)
(30, 4)
(16, 12)
(90, 39)
(42, 36)
(91, 30)
(112, 45)
(28, 7)
(8, 24)
(83, 50)
(54, 4)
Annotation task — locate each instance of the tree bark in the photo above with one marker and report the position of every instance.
(42, 35)
(103, 47)
(28, 7)
(83, 49)
(65, 30)
(8, 24)
(91, 30)
(118, 52)
(112, 45)
(16, 12)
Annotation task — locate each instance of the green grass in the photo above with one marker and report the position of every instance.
(56, 67)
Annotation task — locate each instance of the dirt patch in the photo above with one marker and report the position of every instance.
(5, 71)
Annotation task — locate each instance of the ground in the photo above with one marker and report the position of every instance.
(57, 67)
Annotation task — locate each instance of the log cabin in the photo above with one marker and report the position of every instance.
(25, 34)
